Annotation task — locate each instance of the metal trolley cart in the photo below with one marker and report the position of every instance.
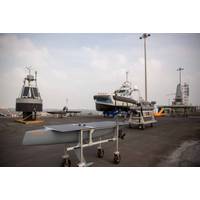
(141, 116)
(77, 137)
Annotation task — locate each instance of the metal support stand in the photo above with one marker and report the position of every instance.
(142, 118)
(100, 150)
(81, 146)
(78, 149)
(100, 143)
(117, 157)
(65, 157)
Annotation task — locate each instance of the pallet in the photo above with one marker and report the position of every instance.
(29, 121)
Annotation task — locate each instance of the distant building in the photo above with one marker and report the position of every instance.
(185, 89)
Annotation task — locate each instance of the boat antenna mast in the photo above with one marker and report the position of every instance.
(36, 78)
(126, 76)
(29, 69)
(29, 77)
(67, 101)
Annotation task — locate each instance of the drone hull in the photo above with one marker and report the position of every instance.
(66, 134)
(28, 104)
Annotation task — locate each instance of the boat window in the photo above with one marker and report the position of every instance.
(26, 91)
(104, 99)
(34, 92)
(121, 91)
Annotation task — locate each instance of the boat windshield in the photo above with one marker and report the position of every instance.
(125, 89)
(105, 99)
(121, 91)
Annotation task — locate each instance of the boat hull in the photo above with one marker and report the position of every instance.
(109, 107)
(28, 104)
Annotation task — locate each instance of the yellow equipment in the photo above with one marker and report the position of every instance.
(161, 113)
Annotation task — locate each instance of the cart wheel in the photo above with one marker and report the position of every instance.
(121, 134)
(69, 163)
(142, 126)
(66, 163)
(100, 153)
(117, 158)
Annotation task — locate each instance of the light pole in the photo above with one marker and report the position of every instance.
(145, 36)
(180, 69)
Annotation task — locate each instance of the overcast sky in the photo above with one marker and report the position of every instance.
(77, 66)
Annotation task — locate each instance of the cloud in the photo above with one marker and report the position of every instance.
(78, 72)
(15, 55)
(59, 78)
(17, 52)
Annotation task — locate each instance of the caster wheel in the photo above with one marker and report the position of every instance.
(131, 125)
(121, 134)
(117, 158)
(142, 127)
(66, 163)
(100, 153)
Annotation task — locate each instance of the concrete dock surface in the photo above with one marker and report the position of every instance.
(171, 142)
